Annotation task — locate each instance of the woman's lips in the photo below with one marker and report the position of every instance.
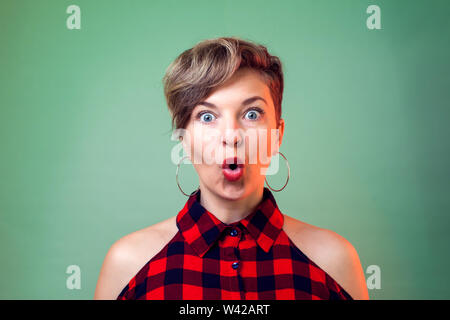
(233, 175)
(232, 169)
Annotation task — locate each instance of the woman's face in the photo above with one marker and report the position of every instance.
(229, 124)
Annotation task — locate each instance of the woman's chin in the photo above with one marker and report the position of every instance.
(233, 190)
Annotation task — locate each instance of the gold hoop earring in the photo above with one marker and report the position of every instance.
(178, 167)
(289, 174)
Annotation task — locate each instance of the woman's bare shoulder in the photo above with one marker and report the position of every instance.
(331, 252)
(129, 254)
(317, 243)
(141, 244)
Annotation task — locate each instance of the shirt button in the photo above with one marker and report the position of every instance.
(233, 232)
(235, 265)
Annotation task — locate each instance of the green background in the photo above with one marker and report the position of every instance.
(85, 131)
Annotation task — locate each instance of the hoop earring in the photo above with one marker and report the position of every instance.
(178, 166)
(289, 174)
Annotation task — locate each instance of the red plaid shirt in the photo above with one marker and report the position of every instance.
(251, 259)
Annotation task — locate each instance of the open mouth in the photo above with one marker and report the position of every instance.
(232, 169)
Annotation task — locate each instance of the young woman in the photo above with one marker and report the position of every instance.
(230, 240)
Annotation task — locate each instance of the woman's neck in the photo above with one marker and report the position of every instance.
(229, 211)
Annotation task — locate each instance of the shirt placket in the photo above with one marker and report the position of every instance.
(233, 263)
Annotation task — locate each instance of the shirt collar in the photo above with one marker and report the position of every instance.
(201, 229)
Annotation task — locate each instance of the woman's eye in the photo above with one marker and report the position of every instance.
(206, 116)
(253, 114)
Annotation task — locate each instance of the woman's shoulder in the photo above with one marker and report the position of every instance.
(313, 238)
(153, 236)
(331, 252)
(129, 254)
(141, 245)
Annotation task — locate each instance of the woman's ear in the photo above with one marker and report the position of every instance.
(279, 137)
(281, 131)
(184, 142)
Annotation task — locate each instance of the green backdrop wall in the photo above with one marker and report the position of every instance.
(85, 131)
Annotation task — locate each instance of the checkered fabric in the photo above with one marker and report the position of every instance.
(251, 259)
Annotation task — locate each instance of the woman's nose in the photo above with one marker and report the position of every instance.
(232, 139)
(231, 133)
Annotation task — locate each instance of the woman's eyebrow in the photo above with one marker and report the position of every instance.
(244, 103)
